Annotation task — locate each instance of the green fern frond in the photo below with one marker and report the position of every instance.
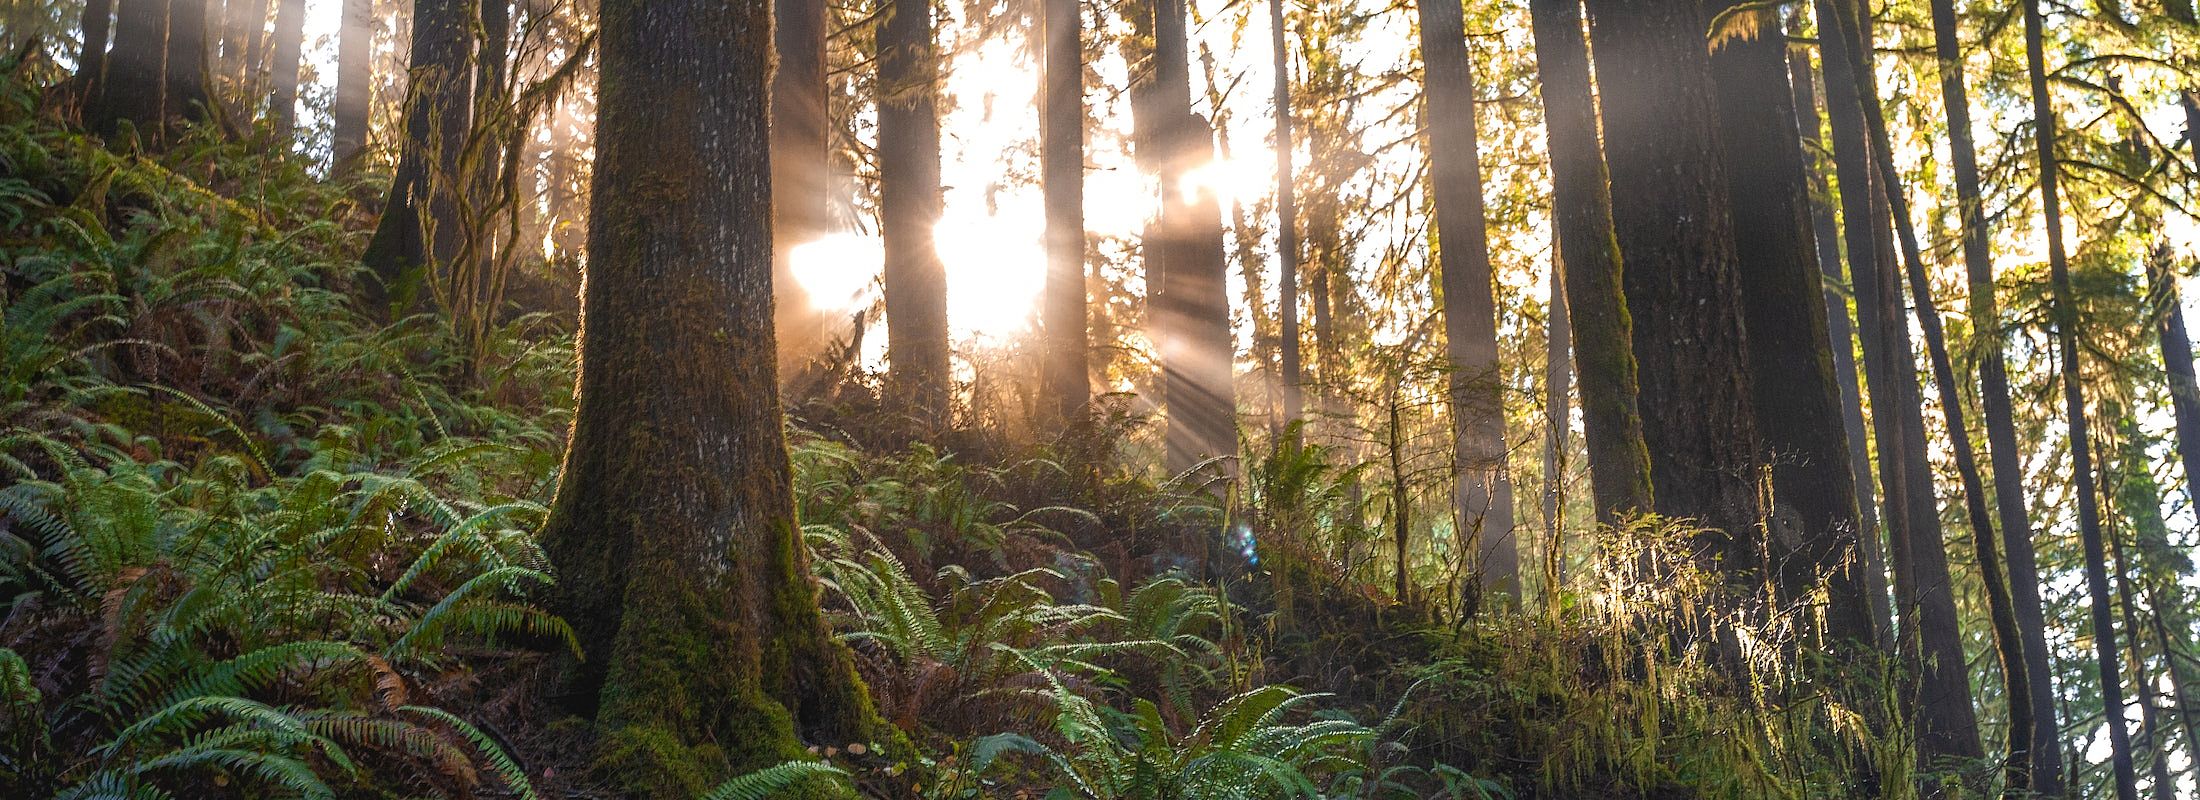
(770, 781)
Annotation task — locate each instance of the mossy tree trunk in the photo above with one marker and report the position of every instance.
(419, 228)
(1841, 337)
(909, 206)
(2077, 428)
(674, 534)
(1067, 381)
(1669, 212)
(1481, 484)
(354, 80)
(1619, 463)
(185, 94)
(1814, 528)
(801, 162)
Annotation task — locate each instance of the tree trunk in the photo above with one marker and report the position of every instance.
(1931, 634)
(2001, 431)
(1558, 381)
(91, 55)
(1482, 486)
(909, 207)
(1814, 527)
(252, 21)
(2008, 642)
(679, 559)
(419, 226)
(186, 96)
(2081, 455)
(1669, 210)
(131, 88)
(1062, 161)
(1841, 339)
(1619, 463)
(354, 80)
(2137, 496)
(1287, 225)
(290, 33)
(801, 161)
(2184, 389)
(1191, 320)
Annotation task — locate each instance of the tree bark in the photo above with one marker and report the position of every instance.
(1841, 338)
(1184, 249)
(1062, 161)
(2081, 455)
(2177, 363)
(1931, 634)
(1558, 381)
(1581, 201)
(679, 559)
(354, 80)
(909, 207)
(186, 96)
(801, 162)
(1481, 483)
(2044, 765)
(1287, 225)
(252, 21)
(91, 56)
(2138, 497)
(290, 33)
(419, 226)
(2008, 642)
(1669, 211)
(132, 88)
(1814, 533)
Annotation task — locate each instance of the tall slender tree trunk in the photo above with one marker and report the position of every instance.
(91, 56)
(1841, 338)
(2008, 642)
(2135, 494)
(801, 162)
(253, 27)
(680, 563)
(909, 207)
(1558, 379)
(1062, 160)
(1603, 331)
(1931, 641)
(1287, 224)
(2081, 455)
(1185, 250)
(2176, 343)
(1482, 485)
(1669, 211)
(231, 38)
(290, 33)
(2045, 766)
(419, 228)
(354, 80)
(1814, 528)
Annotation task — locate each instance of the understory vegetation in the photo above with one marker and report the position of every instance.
(255, 544)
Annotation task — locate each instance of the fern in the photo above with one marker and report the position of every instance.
(769, 781)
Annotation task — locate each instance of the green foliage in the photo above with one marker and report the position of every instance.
(767, 782)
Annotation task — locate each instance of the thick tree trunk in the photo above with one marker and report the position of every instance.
(1841, 338)
(2081, 455)
(2001, 431)
(2008, 642)
(419, 228)
(1669, 210)
(1068, 385)
(1931, 634)
(801, 162)
(1482, 486)
(1603, 332)
(1192, 316)
(1814, 528)
(290, 34)
(909, 206)
(91, 54)
(186, 96)
(132, 87)
(1287, 225)
(679, 559)
(354, 80)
